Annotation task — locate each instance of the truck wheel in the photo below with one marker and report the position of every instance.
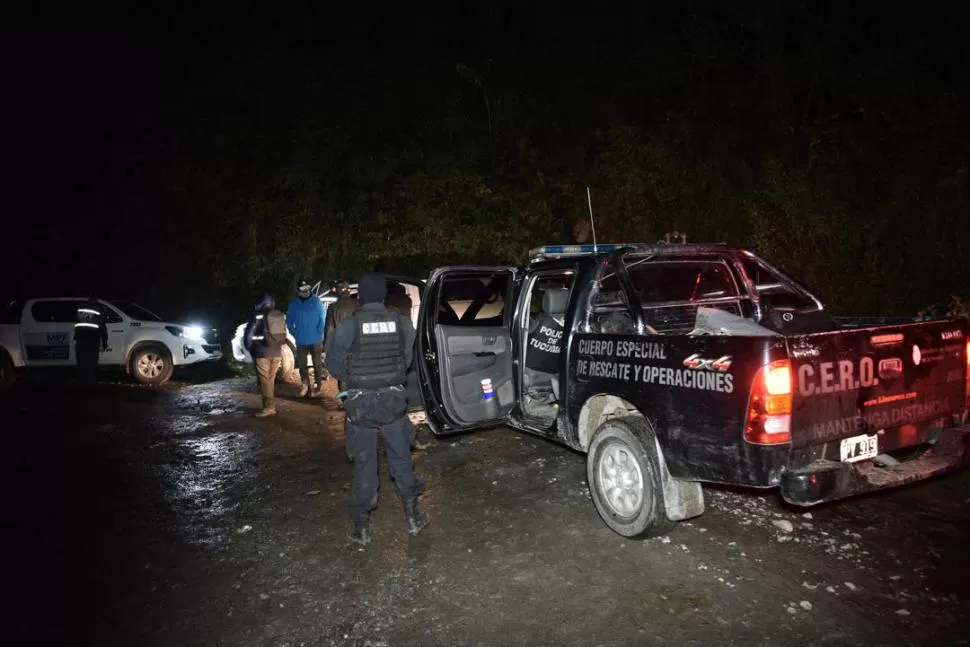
(289, 373)
(151, 365)
(624, 479)
(8, 374)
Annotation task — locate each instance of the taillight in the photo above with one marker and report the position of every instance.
(967, 393)
(769, 411)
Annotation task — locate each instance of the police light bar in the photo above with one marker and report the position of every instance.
(549, 251)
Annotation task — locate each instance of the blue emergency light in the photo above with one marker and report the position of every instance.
(576, 250)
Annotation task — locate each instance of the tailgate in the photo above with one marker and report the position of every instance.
(894, 383)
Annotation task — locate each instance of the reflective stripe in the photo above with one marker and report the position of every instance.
(258, 338)
(84, 324)
(89, 311)
(258, 317)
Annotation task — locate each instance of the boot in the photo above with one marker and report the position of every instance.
(303, 390)
(359, 532)
(416, 520)
(266, 412)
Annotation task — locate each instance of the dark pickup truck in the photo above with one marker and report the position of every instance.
(673, 365)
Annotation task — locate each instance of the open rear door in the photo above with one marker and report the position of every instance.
(463, 338)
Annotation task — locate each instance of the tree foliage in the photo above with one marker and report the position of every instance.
(811, 134)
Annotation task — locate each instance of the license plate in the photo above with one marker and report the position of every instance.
(859, 448)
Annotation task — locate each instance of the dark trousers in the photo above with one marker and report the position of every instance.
(362, 449)
(316, 351)
(86, 357)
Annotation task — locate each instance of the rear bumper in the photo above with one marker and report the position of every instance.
(824, 481)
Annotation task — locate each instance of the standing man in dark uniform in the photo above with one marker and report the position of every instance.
(371, 352)
(90, 337)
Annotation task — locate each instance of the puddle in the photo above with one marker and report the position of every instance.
(203, 477)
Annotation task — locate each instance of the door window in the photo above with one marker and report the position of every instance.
(110, 315)
(55, 311)
(473, 301)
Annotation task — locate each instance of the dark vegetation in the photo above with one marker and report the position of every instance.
(208, 155)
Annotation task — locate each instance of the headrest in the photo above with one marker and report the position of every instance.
(555, 301)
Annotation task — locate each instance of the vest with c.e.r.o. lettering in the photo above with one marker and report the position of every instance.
(376, 358)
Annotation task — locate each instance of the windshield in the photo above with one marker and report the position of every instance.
(135, 311)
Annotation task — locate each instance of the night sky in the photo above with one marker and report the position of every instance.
(98, 107)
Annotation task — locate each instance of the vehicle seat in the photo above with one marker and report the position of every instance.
(554, 303)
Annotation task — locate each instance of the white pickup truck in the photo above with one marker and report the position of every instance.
(39, 333)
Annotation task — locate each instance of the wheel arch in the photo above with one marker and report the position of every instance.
(15, 354)
(8, 370)
(682, 499)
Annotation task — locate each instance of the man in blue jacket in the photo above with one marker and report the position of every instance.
(305, 320)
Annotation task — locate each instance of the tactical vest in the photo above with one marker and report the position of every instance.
(376, 358)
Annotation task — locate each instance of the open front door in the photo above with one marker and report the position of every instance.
(463, 338)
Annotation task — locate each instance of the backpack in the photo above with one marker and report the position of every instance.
(275, 325)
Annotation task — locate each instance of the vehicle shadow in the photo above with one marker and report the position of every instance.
(116, 383)
(65, 387)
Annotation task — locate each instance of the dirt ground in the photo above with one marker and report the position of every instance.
(171, 517)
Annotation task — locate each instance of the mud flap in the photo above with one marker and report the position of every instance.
(682, 499)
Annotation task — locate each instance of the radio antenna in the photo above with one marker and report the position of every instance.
(589, 200)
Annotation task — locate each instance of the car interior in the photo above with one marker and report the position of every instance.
(546, 312)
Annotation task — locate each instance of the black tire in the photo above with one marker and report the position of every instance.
(151, 365)
(8, 374)
(288, 373)
(624, 475)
